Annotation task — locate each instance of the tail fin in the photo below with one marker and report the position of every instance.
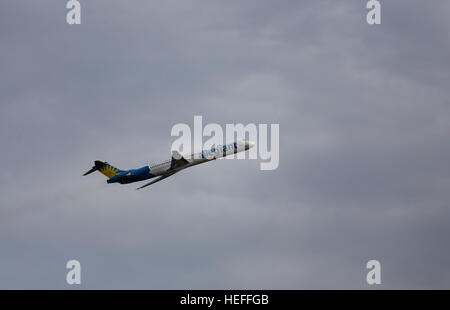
(105, 168)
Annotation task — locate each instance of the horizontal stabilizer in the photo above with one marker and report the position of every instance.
(105, 168)
(90, 171)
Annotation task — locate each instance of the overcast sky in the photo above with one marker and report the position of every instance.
(364, 118)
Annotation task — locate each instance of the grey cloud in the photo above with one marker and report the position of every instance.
(364, 120)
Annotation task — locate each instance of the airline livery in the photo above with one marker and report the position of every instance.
(169, 167)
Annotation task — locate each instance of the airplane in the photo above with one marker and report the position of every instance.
(169, 167)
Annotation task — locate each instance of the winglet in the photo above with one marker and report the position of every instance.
(176, 155)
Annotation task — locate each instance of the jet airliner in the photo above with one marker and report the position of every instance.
(169, 167)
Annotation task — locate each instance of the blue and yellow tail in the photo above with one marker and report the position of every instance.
(105, 168)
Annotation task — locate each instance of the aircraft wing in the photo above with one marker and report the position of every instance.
(158, 179)
(178, 161)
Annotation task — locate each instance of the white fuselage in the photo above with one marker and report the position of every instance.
(203, 156)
